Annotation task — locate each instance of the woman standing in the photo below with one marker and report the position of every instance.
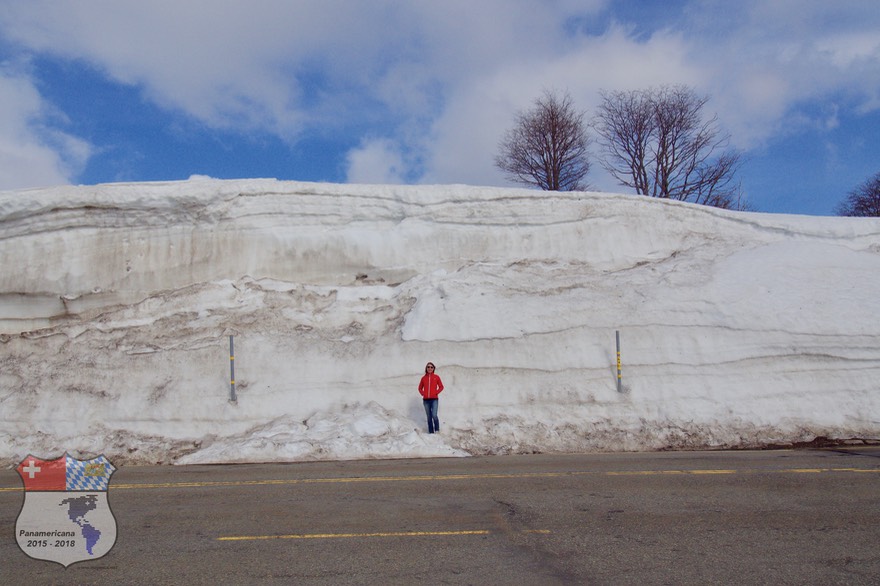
(430, 387)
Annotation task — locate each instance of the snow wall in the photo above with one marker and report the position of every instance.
(117, 303)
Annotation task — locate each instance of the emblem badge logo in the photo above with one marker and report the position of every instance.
(66, 517)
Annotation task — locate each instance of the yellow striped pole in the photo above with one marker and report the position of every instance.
(619, 376)
(232, 396)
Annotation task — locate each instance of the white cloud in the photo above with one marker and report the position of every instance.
(283, 67)
(442, 80)
(768, 59)
(33, 153)
(375, 161)
(847, 50)
(464, 138)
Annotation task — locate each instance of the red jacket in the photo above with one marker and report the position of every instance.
(430, 386)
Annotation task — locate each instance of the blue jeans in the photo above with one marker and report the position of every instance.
(431, 412)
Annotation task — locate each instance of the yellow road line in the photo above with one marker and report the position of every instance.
(364, 535)
(352, 480)
(441, 477)
(669, 472)
(350, 535)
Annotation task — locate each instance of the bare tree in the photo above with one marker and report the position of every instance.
(547, 147)
(863, 201)
(656, 142)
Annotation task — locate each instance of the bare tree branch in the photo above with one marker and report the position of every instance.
(863, 201)
(547, 147)
(656, 142)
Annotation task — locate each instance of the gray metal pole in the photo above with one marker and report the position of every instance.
(232, 396)
(619, 377)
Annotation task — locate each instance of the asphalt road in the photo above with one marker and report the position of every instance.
(773, 517)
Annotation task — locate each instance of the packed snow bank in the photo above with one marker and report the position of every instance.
(117, 303)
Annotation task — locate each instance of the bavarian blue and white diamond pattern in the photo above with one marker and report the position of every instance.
(88, 474)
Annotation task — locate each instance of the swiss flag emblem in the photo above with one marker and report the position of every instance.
(44, 475)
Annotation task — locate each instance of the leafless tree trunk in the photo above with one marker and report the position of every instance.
(547, 147)
(656, 142)
(863, 201)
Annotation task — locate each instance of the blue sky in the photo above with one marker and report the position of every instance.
(394, 91)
